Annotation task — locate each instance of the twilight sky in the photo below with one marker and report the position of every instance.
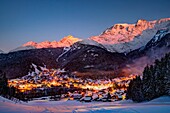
(39, 20)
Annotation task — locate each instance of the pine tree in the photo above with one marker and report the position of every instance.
(3, 83)
(167, 74)
(129, 90)
(135, 90)
(148, 86)
(155, 82)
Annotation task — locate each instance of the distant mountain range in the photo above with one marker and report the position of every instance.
(120, 50)
(118, 38)
(65, 42)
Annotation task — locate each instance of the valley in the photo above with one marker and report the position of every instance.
(99, 69)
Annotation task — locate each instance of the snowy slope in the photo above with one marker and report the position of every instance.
(65, 42)
(159, 35)
(159, 105)
(128, 37)
(127, 109)
(163, 99)
(91, 42)
(63, 106)
(23, 48)
(77, 46)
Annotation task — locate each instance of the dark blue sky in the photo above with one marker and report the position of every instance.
(39, 20)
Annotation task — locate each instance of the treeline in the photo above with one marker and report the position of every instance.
(5, 90)
(155, 81)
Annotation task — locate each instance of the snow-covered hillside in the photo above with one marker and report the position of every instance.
(63, 106)
(127, 37)
(23, 48)
(65, 42)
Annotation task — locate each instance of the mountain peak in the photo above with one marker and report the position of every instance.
(30, 43)
(65, 42)
(69, 38)
(125, 36)
(68, 41)
(141, 22)
(119, 26)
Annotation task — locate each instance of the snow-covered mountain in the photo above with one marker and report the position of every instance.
(160, 33)
(121, 38)
(1, 51)
(127, 37)
(85, 57)
(90, 56)
(142, 43)
(65, 42)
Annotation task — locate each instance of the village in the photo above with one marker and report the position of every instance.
(56, 84)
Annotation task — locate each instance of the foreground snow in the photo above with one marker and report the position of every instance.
(160, 105)
(127, 109)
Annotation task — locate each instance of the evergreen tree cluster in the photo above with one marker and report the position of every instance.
(5, 90)
(155, 81)
(3, 83)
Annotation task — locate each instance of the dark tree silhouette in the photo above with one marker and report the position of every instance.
(155, 82)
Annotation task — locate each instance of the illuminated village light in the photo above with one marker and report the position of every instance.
(57, 80)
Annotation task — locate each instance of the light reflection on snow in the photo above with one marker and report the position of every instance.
(7, 106)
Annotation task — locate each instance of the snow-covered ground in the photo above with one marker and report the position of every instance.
(159, 105)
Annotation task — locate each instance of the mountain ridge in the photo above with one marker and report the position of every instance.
(121, 38)
(90, 58)
(64, 42)
(128, 37)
